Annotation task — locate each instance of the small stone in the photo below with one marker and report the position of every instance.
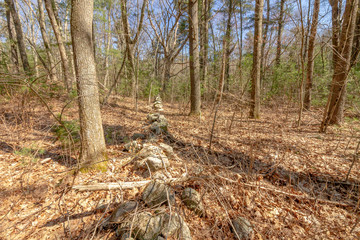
(120, 212)
(243, 229)
(157, 193)
(192, 200)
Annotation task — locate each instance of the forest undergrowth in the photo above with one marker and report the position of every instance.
(290, 182)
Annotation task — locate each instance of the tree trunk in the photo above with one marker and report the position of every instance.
(107, 47)
(195, 97)
(93, 148)
(131, 42)
(46, 41)
(204, 38)
(227, 45)
(310, 65)
(334, 111)
(19, 36)
(11, 32)
(59, 39)
(280, 28)
(266, 29)
(255, 76)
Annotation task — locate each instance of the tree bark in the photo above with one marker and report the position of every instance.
(310, 65)
(255, 76)
(227, 45)
(59, 39)
(334, 111)
(11, 33)
(19, 36)
(204, 38)
(131, 42)
(195, 97)
(266, 29)
(46, 41)
(93, 148)
(279, 33)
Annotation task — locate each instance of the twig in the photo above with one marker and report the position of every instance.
(300, 196)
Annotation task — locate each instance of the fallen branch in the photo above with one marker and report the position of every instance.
(124, 185)
(110, 186)
(301, 196)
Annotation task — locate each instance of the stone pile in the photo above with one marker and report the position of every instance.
(136, 219)
(157, 106)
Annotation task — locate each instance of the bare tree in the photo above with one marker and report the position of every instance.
(310, 64)
(195, 97)
(41, 19)
(57, 31)
(255, 76)
(166, 29)
(204, 39)
(12, 36)
(279, 33)
(19, 36)
(131, 41)
(334, 110)
(91, 130)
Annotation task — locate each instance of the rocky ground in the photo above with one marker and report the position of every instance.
(267, 178)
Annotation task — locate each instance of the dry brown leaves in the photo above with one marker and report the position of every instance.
(255, 171)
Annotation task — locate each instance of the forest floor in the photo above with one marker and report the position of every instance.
(288, 181)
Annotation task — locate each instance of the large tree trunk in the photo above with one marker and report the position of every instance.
(195, 97)
(92, 134)
(255, 76)
(19, 36)
(310, 65)
(46, 41)
(57, 31)
(334, 111)
(11, 33)
(280, 28)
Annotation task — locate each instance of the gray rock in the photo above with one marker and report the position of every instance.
(156, 163)
(243, 228)
(159, 127)
(138, 136)
(150, 150)
(157, 193)
(122, 211)
(144, 226)
(192, 199)
(155, 117)
(132, 146)
(147, 227)
(153, 157)
(174, 226)
(126, 236)
(169, 151)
